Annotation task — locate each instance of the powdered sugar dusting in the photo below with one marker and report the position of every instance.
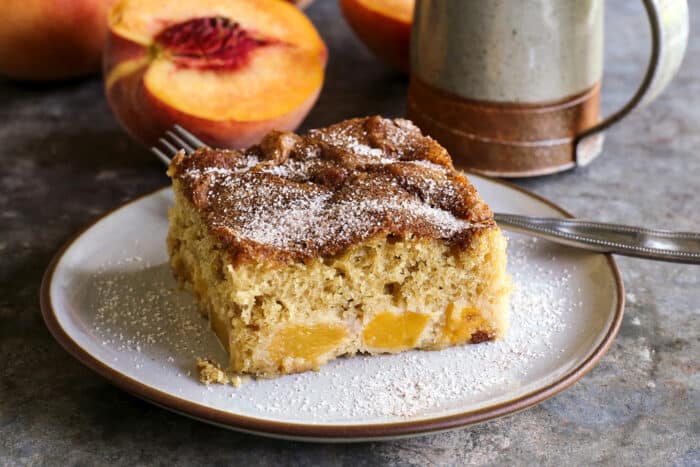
(319, 194)
(140, 310)
(348, 139)
(246, 163)
(148, 323)
(416, 383)
(306, 217)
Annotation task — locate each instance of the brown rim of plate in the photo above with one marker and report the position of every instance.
(314, 432)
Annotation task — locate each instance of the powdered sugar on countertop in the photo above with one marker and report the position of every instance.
(155, 329)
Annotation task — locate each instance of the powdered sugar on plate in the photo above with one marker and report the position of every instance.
(113, 295)
(418, 382)
(141, 316)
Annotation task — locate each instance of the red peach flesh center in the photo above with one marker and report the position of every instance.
(208, 44)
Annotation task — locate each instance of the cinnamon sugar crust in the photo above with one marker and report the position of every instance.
(297, 198)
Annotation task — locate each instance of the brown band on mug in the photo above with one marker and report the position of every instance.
(501, 138)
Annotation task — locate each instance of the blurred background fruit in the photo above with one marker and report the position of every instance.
(384, 26)
(52, 39)
(301, 3)
(228, 70)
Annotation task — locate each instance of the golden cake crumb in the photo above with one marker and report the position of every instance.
(211, 372)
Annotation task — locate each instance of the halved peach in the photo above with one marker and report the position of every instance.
(228, 70)
(384, 26)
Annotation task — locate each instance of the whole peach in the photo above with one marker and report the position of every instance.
(52, 39)
(384, 26)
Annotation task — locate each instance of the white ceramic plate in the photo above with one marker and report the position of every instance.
(109, 298)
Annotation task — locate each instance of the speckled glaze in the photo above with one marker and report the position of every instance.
(522, 51)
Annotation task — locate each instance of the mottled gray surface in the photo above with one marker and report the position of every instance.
(64, 161)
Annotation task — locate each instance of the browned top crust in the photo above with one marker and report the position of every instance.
(303, 197)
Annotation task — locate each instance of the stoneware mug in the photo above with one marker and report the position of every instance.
(512, 87)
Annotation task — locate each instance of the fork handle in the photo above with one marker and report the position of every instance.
(663, 245)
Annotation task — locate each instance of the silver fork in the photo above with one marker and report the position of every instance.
(640, 242)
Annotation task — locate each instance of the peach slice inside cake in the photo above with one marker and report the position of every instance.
(463, 324)
(309, 343)
(394, 332)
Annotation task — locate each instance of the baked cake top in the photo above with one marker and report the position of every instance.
(302, 197)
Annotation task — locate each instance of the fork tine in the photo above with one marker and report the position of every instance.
(175, 140)
(189, 137)
(168, 145)
(160, 155)
(180, 142)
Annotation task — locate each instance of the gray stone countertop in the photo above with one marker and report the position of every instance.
(64, 161)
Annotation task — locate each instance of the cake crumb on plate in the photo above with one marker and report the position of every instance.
(211, 372)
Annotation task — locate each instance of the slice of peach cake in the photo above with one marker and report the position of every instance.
(359, 237)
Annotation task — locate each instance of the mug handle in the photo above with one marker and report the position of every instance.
(669, 36)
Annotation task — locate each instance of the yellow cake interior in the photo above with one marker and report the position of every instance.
(384, 295)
